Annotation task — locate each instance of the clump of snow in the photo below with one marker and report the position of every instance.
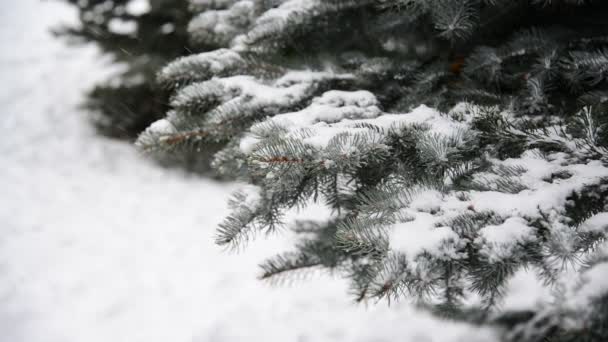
(218, 98)
(499, 240)
(120, 26)
(581, 290)
(438, 122)
(340, 112)
(541, 195)
(593, 285)
(428, 210)
(252, 197)
(248, 143)
(322, 134)
(419, 235)
(288, 89)
(262, 95)
(205, 94)
(167, 28)
(309, 76)
(332, 106)
(423, 115)
(525, 290)
(276, 19)
(421, 229)
(219, 27)
(428, 201)
(289, 15)
(162, 126)
(537, 167)
(138, 7)
(202, 66)
(337, 98)
(259, 97)
(258, 91)
(596, 223)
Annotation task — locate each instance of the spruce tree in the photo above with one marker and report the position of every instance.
(456, 141)
(142, 36)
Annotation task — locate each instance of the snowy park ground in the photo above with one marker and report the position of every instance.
(98, 244)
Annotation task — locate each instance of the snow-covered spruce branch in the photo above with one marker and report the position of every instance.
(221, 108)
(516, 207)
(320, 102)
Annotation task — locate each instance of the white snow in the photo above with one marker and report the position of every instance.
(162, 126)
(542, 195)
(322, 134)
(275, 19)
(581, 291)
(427, 201)
(332, 106)
(97, 244)
(514, 229)
(248, 143)
(213, 63)
(120, 26)
(309, 76)
(138, 7)
(593, 286)
(536, 167)
(423, 231)
(596, 223)
(428, 209)
(250, 87)
(247, 91)
(499, 240)
(218, 27)
(525, 291)
(252, 196)
(423, 115)
(420, 235)
(284, 17)
(343, 112)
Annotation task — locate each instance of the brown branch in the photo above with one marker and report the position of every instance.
(281, 160)
(176, 139)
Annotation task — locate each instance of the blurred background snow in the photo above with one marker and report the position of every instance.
(98, 244)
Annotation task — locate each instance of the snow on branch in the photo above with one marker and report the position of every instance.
(218, 28)
(290, 17)
(220, 108)
(201, 67)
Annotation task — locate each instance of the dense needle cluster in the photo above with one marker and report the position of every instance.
(457, 142)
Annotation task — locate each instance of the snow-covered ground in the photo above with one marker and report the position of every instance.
(98, 244)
